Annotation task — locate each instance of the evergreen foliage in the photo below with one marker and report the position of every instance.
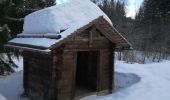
(115, 9)
(11, 23)
(152, 26)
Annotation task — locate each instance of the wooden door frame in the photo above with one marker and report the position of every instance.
(75, 69)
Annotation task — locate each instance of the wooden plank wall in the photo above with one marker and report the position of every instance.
(63, 63)
(65, 84)
(37, 75)
(52, 77)
(106, 71)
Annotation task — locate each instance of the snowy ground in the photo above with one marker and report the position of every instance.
(133, 82)
(154, 82)
(11, 86)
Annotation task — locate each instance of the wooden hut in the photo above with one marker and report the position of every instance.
(73, 62)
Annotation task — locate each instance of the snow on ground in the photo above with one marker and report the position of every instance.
(153, 85)
(11, 86)
(125, 80)
(133, 82)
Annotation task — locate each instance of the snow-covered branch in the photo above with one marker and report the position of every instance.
(14, 19)
(31, 10)
(5, 27)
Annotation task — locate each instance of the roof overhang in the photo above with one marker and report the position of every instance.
(47, 51)
(44, 44)
(109, 32)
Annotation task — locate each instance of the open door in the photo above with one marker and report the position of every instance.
(86, 72)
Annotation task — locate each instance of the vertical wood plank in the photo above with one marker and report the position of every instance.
(111, 70)
(25, 72)
(74, 75)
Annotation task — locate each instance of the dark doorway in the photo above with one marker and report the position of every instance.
(86, 72)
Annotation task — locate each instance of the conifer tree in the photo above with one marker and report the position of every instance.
(11, 23)
(152, 22)
(115, 9)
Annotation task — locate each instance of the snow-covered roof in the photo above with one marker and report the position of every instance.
(41, 42)
(48, 26)
(61, 17)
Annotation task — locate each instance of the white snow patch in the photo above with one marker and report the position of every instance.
(61, 17)
(43, 42)
(18, 62)
(61, 1)
(11, 87)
